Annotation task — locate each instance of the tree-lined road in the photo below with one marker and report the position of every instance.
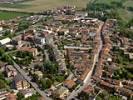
(33, 84)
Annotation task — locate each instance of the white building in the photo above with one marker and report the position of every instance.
(5, 41)
(1, 28)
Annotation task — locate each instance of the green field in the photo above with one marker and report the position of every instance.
(40, 5)
(9, 15)
(123, 12)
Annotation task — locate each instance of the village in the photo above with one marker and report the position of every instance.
(62, 54)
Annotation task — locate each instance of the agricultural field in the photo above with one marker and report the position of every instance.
(40, 5)
(123, 11)
(5, 15)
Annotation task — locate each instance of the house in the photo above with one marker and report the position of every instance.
(88, 89)
(10, 71)
(40, 40)
(20, 83)
(3, 94)
(39, 74)
(61, 93)
(33, 51)
(27, 92)
(69, 83)
(5, 41)
(11, 96)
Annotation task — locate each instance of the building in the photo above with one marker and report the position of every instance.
(11, 96)
(33, 51)
(20, 83)
(10, 71)
(40, 40)
(69, 83)
(39, 74)
(1, 28)
(5, 41)
(61, 93)
(88, 89)
(3, 94)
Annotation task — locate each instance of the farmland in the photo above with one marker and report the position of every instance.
(40, 5)
(5, 15)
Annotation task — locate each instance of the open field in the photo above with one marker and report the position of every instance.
(9, 15)
(123, 12)
(40, 5)
(17, 5)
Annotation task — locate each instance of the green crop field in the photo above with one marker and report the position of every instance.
(9, 15)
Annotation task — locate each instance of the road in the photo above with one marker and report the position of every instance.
(33, 84)
(76, 47)
(88, 77)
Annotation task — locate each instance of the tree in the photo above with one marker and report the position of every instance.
(33, 97)
(59, 78)
(2, 84)
(23, 25)
(20, 96)
(35, 78)
(50, 67)
(45, 83)
(1, 76)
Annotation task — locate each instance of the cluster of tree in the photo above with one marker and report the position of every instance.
(23, 54)
(98, 7)
(20, 96)
(126, 32)
(23, 25)
(130, 9)
(26, 58)
(129, 23)
(3, 82)
(117, 4)
(107, 96)
(4, 56)
(104, 10)
(51, 75)
(84, 96)
(123, 73)
(50, 67)
(45, 83)
(51, 53)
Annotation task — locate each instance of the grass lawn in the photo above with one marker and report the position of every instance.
(9, 15)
